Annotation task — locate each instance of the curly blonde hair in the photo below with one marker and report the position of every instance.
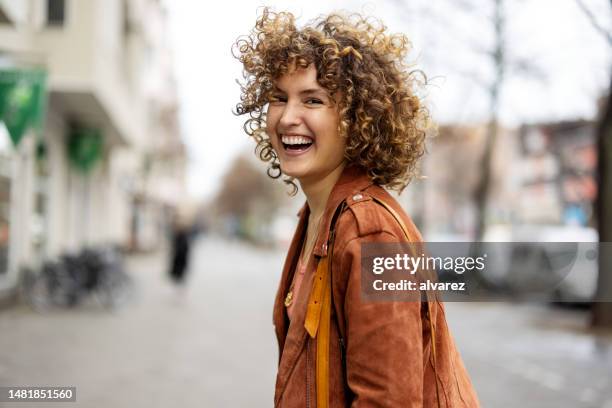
(381, 116)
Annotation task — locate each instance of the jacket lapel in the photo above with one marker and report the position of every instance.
(279, 314)
(352, 180)
(296, 334)
(292, 335)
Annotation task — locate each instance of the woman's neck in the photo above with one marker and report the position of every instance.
(317, 192)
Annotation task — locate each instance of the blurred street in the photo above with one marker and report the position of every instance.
(120, 133)
(215, 347)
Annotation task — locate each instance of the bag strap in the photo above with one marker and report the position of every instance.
(430, 315)
(318, 313)
(318, 316)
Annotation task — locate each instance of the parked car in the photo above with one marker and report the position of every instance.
(532, 262)
(556, 261)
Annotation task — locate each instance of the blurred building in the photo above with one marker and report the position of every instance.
(441, 203)
(541, 174)
(108, 165)
(558, 168)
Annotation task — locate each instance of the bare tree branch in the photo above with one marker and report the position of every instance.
(589, 14)
(528, 68)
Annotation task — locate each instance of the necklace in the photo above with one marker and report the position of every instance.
(289, 297)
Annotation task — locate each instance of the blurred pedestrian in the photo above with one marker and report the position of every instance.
(181, 237)
(333, 106)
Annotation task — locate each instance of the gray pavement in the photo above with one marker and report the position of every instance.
(533, 355)
(211, 344)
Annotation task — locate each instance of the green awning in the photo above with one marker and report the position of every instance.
(22, 100)
(85, 147)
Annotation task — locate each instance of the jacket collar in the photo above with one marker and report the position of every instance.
(352, 180)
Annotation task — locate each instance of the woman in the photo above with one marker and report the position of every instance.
(333, 106)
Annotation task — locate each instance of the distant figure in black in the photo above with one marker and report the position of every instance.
(180, 252)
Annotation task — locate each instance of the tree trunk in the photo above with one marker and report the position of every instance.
(481, 193)
(602, 311)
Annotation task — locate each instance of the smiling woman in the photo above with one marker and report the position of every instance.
(333, 105)
(302, 124)
(376, 104)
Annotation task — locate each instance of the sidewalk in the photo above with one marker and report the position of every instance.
(213, 345)
(210, 345)
(530, 355)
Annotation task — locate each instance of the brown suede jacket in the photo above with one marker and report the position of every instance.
(380, 352)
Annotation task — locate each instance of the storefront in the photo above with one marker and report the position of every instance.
(22, 107)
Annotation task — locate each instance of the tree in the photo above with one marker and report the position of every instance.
(602, 311)
(503, 63)
(499, 59)
(247, 193)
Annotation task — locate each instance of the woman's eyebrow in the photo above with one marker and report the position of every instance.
(310, 91)
(313, 91)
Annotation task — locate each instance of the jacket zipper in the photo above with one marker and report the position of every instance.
(307, 373)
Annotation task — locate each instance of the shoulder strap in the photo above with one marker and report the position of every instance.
(318, 313)
(430, 317)
(318, 317)
(395, 215)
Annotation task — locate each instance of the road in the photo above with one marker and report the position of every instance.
(211, 343)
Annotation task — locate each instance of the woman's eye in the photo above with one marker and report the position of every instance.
(278, 98)
(314, 101)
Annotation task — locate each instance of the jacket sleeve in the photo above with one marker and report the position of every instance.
(384, 340)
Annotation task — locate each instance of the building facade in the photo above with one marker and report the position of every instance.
(542, 174)
(108, 163)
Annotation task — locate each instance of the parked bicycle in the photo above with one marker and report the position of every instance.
(71, 279)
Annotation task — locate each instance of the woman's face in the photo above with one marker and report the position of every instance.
(302, 123)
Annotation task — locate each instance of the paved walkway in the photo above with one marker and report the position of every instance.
(212, 345)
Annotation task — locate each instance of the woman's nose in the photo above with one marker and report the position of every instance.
(290, 116)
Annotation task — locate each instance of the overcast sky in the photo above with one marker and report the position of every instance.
(553, 35)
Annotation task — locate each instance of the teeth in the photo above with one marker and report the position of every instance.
(295, 140)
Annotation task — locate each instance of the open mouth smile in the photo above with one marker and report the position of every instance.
(296, 144)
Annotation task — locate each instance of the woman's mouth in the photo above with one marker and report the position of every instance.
(296, 144)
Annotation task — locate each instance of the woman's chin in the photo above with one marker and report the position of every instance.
(293, 171)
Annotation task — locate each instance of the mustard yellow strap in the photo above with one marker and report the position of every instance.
(396, 216)
(315, 301)
(323, 340)
(433, 350)
(317, 324)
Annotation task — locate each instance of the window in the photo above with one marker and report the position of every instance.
(56, 10)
